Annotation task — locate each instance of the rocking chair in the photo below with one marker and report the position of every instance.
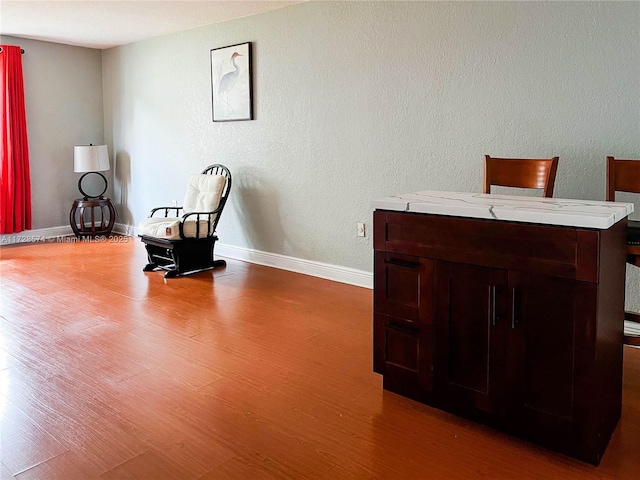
(184, 245)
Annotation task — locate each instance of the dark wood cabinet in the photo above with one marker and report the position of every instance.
(470, 326)
(517, 326)
(403, 332)
(549, 329)
(550, 361)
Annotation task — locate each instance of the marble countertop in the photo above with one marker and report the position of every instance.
(548, 211)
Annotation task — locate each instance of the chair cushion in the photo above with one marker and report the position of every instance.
(203, 193)
(168, 227)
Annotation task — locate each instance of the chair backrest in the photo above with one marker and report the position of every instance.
(208, 193)
(622, 176)
(203, 193)
(520, 172)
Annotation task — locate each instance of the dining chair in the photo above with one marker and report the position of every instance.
(624, 176)
(520, 172)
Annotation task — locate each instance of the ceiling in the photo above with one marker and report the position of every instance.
(109, 23)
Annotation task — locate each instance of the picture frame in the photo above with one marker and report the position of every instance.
(231, 83)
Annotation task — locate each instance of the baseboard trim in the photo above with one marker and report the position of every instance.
(122, 229)
(37, 235)
(337, 273)
(44, 234)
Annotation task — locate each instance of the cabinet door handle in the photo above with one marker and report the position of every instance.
(514, 318)
(402, 263)
(492, 307)
(399, 328)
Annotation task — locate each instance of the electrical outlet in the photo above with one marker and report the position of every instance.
(360, 230)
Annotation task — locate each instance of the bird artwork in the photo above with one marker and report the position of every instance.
(231, 83)
(228, 80)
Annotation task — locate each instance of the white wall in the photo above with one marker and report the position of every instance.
(63, 97)
(358, 100)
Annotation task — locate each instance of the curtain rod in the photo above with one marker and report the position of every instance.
(21, 50)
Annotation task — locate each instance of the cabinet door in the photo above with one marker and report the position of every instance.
(403, 317)
(551, 346)
(470, 329)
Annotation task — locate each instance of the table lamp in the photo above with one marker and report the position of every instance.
(90, 159)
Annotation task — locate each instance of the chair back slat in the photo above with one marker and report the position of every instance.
(520, 172)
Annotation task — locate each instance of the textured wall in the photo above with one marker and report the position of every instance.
(63, 96)
(357, 100)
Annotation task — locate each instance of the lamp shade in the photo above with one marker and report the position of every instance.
(90, 158)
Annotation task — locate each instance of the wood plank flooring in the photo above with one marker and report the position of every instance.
(246, 372)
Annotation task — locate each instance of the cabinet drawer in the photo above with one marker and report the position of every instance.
(403, 353)
(565, 252)
(403, 286)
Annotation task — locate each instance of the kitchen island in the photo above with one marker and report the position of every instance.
(506, 310)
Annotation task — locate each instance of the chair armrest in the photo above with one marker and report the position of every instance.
(212, 212)
(166, 211)
(197, 219)
(186, 216)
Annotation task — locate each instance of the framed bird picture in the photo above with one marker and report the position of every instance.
(231, 89)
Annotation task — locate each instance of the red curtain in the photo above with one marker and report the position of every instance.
(15, 185)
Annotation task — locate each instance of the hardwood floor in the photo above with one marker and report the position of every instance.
(243, 373)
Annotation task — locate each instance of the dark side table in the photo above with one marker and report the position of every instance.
(100, 224)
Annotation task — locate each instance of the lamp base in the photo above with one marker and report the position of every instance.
(85, 195)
